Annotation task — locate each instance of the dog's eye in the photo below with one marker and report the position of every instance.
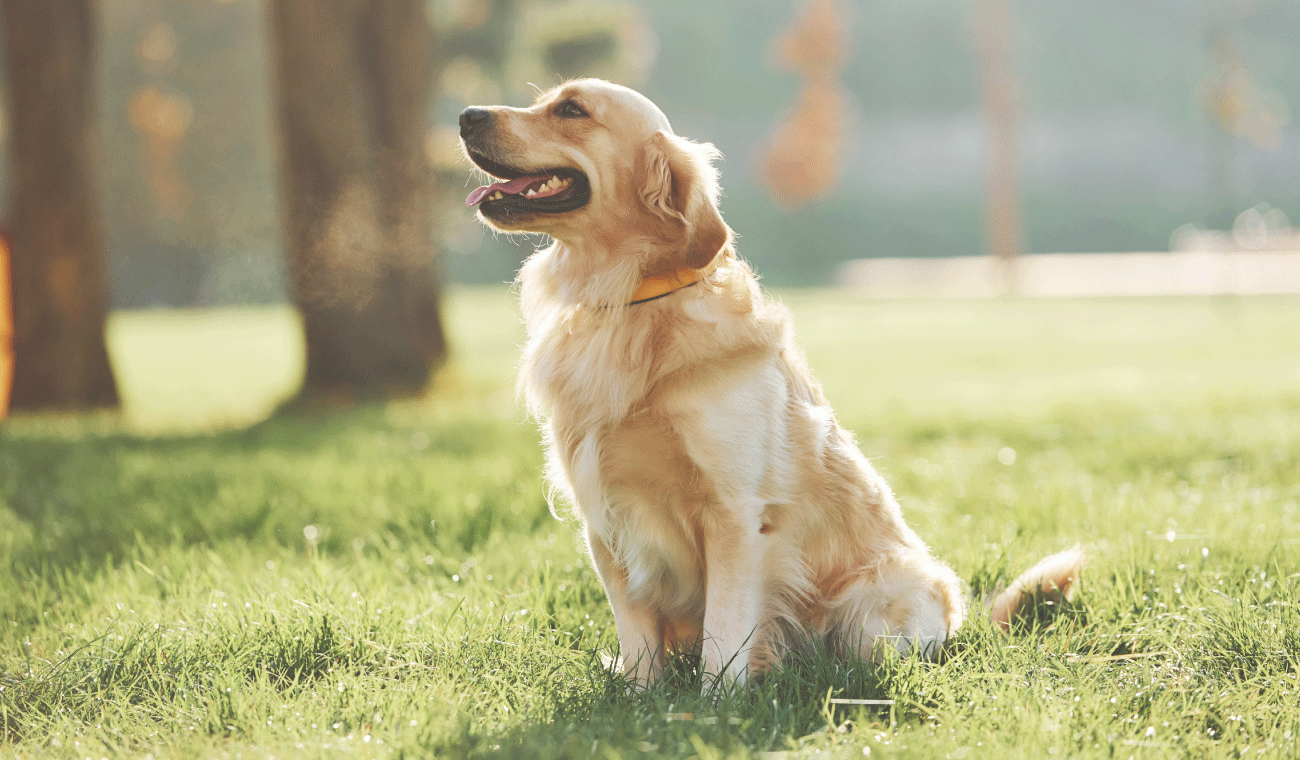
(569, 110)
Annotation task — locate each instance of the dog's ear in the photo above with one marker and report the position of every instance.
(678, 182)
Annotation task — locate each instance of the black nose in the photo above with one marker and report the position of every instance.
(471, 118)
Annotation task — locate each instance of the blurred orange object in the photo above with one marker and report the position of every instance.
(804, 156)
(6, 330)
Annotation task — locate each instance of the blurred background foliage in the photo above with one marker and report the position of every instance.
(1137, 117)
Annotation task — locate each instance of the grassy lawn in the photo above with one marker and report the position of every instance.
(185, 581)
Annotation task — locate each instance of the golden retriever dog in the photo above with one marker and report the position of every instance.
(726, 511)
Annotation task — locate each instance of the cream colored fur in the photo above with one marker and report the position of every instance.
(725, 509)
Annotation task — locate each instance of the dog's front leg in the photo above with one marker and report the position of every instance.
(733, 597)
(728, 432)
(640, 629)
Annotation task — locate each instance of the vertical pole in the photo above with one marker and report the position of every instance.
(1003, 234)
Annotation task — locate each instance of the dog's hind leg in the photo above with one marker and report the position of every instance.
(910, 602)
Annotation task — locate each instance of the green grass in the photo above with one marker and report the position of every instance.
(180, 582)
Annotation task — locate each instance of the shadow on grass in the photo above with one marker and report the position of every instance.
(73, 494)
(151, 670)
(230, 681)
(672, 718)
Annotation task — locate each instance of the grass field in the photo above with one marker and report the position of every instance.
(184, 581)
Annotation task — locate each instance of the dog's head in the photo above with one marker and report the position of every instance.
(593, 164)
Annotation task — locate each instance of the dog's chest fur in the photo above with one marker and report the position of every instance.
(617, 389)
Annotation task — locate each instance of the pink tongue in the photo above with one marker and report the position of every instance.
(511, 187)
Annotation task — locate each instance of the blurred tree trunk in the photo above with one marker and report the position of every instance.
(6, 331)
(354, 81)
(55, 229)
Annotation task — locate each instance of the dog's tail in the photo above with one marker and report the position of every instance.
(1053, 578)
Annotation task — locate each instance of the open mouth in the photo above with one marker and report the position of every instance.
(520, 191)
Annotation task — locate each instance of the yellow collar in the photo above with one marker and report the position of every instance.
(660, 285)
